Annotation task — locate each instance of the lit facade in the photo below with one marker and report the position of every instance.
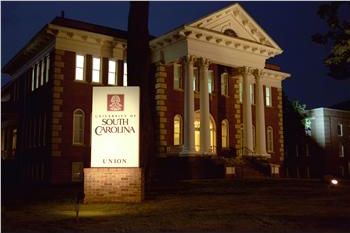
(215, 94)
(330, 128)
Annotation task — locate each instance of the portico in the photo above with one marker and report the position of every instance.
(228, 38)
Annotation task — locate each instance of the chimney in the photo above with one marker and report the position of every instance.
(62, 14)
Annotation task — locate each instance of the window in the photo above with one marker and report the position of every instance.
(224, 84)
(268, 97)
(37, 75)
(240, 91)
(341, 150)
(112, 72)
(96, 68)
(42, 72)
(296, 150)
(47, 68)
(251, 91)
(79, 67)
(340, 129)
(78, 126)
(225, 134)
(210, 81)
(14, 140)
(269, 139)
(307, 151)
(275, 170)
(177, 76)
(33, 78)
(125, 74)
(177, 130)
(195, 79)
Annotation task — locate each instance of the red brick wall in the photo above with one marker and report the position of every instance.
(272, 119)
(113, 185)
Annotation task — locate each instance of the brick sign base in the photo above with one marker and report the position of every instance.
(102, 185)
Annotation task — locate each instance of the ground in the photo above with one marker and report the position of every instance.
(270, 205)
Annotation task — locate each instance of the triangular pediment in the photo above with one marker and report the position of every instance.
(235, 21)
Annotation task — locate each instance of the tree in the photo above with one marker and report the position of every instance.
(337, 38)
(138, 70)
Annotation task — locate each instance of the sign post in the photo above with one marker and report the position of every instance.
(115, 174)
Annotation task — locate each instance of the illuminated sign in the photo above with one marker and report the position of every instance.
(115, 127)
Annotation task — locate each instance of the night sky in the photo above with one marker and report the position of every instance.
(289, 24)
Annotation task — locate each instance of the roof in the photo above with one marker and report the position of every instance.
(42, 39)
(80, 25)
(345, 105)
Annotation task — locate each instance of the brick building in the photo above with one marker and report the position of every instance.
(318, 144)
(215, 94)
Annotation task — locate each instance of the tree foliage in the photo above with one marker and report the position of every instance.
(337, 38)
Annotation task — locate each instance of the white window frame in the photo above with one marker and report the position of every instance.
(77, 68)
(268, 96)
(125, 74)
(33, 78)
(42, 71)
(96, 70)
(37, 75)
(112, 75)
(47, 68)
(340, 128)
(75, 140)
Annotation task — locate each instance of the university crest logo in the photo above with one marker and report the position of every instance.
(115, 102)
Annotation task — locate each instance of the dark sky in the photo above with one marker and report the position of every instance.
(289, 24)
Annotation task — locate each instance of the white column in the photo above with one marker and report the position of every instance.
(260, 115)
(188, 147)
(247, 113)
(204, 107)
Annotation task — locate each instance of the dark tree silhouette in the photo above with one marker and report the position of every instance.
(138, 69)
(337, 38)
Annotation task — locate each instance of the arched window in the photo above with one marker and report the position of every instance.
(177, 130)
(269, 137)
(212, 130)
(224, 134)
(78, 126)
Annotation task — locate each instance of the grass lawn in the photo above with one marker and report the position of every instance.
(189, 206)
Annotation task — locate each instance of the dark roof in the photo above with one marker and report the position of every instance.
(76, 24)
(344, 105)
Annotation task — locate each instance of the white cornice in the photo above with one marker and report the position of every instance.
(84, 36)
(273, 74)
(244, 19)
(214, 38)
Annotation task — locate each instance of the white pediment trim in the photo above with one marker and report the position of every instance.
(234, 17)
